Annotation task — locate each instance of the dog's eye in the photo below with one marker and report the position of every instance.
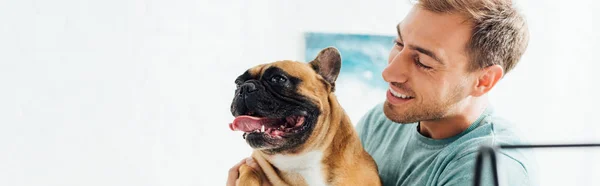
(238, 83)
(278, 79)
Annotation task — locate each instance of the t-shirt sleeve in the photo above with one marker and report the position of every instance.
(361, 128)
(462, 171)
(364, 125)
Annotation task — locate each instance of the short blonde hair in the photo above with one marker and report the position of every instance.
(499, 35)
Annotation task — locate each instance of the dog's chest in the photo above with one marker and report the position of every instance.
(307, 165)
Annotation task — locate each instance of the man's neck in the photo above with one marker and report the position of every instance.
(456, 122)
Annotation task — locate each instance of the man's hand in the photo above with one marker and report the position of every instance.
(234, 173)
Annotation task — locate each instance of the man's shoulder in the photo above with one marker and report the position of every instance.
(374, 120)
(375, 127)
(374, 113)
(492, 130)
(372, 123)
(372, 116)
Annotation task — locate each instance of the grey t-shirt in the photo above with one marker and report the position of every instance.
(405, 157)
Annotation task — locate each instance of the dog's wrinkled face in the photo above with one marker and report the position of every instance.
(277, 105)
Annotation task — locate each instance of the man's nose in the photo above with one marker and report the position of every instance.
(397, 69)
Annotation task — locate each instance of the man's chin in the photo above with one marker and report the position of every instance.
(397, 115)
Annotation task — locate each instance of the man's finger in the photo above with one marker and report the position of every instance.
(250, 162)
(234, 173)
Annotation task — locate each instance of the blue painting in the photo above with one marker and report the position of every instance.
(363, 56)
(359, 86)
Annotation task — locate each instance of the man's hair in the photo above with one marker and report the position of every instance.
(499, 33)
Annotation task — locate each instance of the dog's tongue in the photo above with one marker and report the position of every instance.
(248, 123)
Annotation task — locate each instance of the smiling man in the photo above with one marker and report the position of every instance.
(448, 55)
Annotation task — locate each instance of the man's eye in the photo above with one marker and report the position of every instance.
(278, 79)
(398, 43)
(421, 65)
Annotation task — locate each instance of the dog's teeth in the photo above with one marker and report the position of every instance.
(281, 127)
(262, 129)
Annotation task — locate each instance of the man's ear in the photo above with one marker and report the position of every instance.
(487, 79)
(327, 64)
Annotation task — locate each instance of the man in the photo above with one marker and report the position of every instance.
(448, 55)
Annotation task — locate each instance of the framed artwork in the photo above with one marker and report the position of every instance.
(359, 86)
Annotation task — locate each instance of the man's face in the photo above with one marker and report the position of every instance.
(427, 67)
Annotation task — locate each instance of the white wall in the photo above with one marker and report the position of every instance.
(137, 92)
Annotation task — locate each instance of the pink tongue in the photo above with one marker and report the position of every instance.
(247, 123)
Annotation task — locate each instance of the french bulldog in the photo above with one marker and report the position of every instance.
(299, 133)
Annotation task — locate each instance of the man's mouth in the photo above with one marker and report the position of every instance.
(399, 95)
(270, 127)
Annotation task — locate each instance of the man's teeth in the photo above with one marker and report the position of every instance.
(399, 95)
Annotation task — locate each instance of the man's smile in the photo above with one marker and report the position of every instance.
(395, 98)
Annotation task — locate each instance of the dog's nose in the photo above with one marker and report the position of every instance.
(247, 88)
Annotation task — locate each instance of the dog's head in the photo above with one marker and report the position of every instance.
(278, 105)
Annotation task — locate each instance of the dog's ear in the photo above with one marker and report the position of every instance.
(327, 64)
